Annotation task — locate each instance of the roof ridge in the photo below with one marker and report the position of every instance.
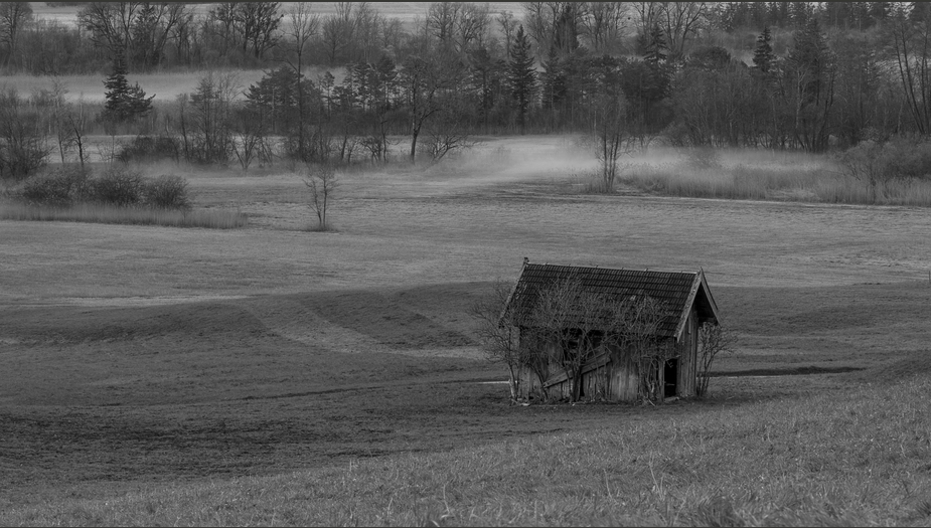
(609, 268)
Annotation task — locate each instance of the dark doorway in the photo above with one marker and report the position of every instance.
(671, 375)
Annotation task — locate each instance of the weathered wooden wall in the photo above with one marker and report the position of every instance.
(688, 357)
(620, 381)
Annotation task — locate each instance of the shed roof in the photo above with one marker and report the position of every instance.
(676, 291)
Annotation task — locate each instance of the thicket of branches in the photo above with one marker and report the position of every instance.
(819, 76)
(565, 328)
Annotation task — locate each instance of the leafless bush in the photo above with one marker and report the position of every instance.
(611, 137)
(167, 191)
(573, 320)
(443, 141)
(24, 148)
(713, 340)
(498, 333)
(60, 188)
(377, 147)
(634, 326)
(879, 164)
(248, 147)
(118, 186)
(322, 181)
(149, 149)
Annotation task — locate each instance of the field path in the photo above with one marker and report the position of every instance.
(300, 322)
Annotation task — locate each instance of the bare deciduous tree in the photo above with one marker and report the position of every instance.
(76, 120)
(23, 141)
(911, 44)
(338, 32)
(603, 25)
(612, 139)
(303, 27)
(680, 22)
(713, 340)
(13, 16)
(427, 77)
(205, 118)
(448, 135)
(634, 325)
(258, 22)
(322, 181)
(138, 31)
(571, 321)
(498, 332)
(249, 142)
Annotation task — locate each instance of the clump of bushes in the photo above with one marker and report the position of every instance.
(898, 159)
(60, 188)
(167, 191)
(149, 149)
(117, 186)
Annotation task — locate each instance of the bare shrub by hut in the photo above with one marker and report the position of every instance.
(592, 333)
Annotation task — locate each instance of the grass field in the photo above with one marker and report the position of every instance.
(272, 375)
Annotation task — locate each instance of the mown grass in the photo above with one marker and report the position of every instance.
(790, 178)
(858, 456)
(103, 214)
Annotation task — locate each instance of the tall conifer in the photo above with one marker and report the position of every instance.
(124, 102)
(763, 53)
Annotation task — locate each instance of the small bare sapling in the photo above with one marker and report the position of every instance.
(322, 182)
(712, 341)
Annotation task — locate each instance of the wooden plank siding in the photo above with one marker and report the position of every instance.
(688, 357)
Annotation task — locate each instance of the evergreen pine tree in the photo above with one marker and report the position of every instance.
(656, 47)
(521, 75)
(763, 53)
(553, 80)
(124, 103)
(117, 88)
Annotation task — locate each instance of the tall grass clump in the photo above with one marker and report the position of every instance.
(109, 214)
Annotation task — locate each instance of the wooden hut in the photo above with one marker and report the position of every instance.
(686, 303)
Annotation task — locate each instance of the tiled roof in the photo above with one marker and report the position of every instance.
(671, 289)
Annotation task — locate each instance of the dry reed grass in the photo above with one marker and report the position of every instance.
(100, 214)
(757, 176)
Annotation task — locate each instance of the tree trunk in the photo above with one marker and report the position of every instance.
(415, 132)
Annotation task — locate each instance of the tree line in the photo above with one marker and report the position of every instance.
(814, 76)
